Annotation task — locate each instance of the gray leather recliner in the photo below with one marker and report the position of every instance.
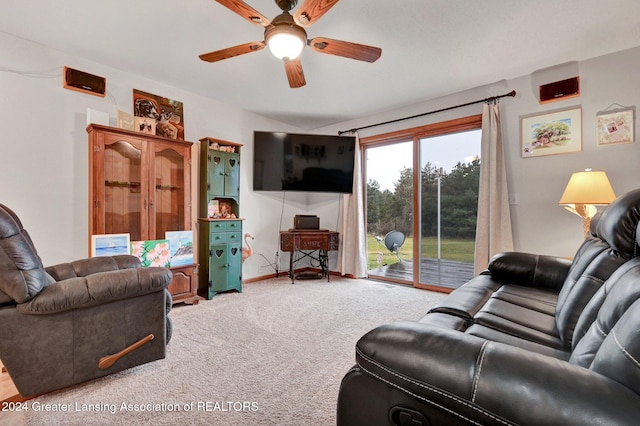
(77, 321)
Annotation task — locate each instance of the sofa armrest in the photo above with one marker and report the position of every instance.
(92, 265)
(532, 270)
(481, 381)
(96, 289)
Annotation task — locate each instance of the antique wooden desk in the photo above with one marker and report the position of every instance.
(314, 244)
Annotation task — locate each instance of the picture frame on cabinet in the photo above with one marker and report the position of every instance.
(181, 247)
(615, 126)
(110, 244)
(213, 209)
(145, 125)
(225, 209)
(152, 252)
(552, 132)
(126, 121)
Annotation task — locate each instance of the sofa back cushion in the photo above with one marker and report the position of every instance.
(612, 242)
(22, 275)
(606, 338)
(604, 310)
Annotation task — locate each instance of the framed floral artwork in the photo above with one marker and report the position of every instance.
(152, 252)
(549, 133)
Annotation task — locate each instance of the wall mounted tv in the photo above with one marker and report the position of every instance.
(302, 162)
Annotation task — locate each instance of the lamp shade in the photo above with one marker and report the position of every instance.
(588, 187)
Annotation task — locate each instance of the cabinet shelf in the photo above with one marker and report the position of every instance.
(169, 188)
(118, 184)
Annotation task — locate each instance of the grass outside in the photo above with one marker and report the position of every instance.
(450, 249)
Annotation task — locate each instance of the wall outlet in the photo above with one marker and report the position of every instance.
(514, 199)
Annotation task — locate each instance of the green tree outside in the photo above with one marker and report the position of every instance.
(387, 211)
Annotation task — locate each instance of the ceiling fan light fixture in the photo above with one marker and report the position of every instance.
(284, 38)
(285, 46)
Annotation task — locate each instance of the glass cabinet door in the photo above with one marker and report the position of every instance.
(124, 188)
(170, 213)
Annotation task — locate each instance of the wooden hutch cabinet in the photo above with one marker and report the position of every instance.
(140, 184)
(220, 228)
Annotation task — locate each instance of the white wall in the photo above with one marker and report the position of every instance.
(540, 224)
(44, 156)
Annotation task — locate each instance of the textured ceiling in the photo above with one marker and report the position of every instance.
(430, 48)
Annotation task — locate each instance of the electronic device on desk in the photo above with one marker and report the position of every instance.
(305, 221)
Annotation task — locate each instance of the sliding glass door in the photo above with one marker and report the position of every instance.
(389, 174)
(450, 174)
(433, 170)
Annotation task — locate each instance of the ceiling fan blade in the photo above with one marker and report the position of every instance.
(246, 11)
(346, 49)
(230, 52)
(295, 73)
(312, 10)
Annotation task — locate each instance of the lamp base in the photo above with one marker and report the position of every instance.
(586, 212)
(586, 225)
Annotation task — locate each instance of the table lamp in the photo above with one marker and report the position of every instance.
(584, 191)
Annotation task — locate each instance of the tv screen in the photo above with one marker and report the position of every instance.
(302, 162)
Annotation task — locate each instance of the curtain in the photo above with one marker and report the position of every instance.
(493, 229)
(352, 259)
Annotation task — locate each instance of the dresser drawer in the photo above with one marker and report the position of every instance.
(234, 225)
(217, 226)
(234, 236)
(218, 237)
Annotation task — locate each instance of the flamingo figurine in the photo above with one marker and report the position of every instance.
(248, 250)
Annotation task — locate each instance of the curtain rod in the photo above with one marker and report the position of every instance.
(491, 99)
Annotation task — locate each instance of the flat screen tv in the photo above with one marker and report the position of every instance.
(303, 162)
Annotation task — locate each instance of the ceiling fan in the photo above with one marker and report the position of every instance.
(286, 36)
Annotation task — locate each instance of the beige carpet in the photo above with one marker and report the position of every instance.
(272, 355)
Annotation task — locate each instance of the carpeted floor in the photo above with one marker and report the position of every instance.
(272, 355)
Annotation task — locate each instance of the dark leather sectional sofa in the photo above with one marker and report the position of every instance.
(533, 340)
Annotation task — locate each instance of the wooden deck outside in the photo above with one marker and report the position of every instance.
(442, 273)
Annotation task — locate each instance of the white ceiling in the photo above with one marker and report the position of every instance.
(430, 48)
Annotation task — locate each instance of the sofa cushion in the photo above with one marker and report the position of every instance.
(533, 341)
(618, 224)
(590, 273)
(604, 311)
(82, 292)
(619, 355)
(93, 265)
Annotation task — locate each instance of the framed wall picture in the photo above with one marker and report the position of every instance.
(549, 133)
(167, 113)
(615, 126)
(109, 244)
